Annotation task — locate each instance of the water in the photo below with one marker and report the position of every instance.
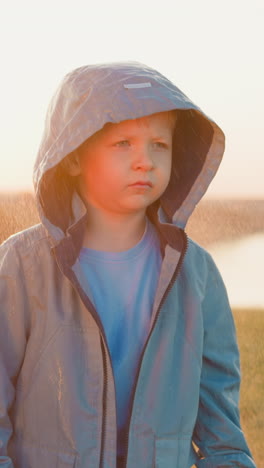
(241, 264)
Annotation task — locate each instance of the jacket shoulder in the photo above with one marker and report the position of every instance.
(198, 253)
(22, 247)
(27, 236)
(198, 263)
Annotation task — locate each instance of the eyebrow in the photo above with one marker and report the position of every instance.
(129, 136)
(162, 136)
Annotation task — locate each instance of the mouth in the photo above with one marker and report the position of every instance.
(141, 183)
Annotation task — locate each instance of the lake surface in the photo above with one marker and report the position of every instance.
(241, 264)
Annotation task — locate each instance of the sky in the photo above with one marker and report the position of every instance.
(213, 51)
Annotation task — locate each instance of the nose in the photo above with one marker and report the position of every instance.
(143, 159)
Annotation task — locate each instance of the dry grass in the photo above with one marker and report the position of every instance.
(250, 332)
(212, 220)
(225, 220)
(17, 212)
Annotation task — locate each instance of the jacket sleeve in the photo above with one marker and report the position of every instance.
(217, 432)
(12, 343)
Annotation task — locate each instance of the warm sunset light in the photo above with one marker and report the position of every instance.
(131, 280)
(212, 52)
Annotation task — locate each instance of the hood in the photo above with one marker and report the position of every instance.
(93, 95)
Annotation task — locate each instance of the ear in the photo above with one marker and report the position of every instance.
(71, 164)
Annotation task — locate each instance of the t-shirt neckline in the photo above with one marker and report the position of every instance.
(99, 255)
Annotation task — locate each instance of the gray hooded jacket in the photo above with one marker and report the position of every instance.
(57, 392)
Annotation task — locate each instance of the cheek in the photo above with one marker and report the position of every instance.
(101, 179)
(165, 166)
(169, 162)
(90, 170)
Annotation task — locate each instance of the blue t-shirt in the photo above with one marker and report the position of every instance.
(123, 286)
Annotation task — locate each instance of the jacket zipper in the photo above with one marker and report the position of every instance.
(171, 283)
(104, 346)
(105, 350)
(105, 388)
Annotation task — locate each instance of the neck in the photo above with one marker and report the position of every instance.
(113, 233)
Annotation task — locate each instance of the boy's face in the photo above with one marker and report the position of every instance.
(125, 167)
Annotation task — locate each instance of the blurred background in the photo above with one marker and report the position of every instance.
(213, 51)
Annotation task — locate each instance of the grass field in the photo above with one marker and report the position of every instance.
(250, 332)
(19, 212)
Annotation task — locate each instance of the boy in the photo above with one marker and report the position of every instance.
(117, 341)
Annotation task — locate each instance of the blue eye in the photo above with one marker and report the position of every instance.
(160, 145)
(122, 143)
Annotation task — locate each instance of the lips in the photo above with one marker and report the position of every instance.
(141, 183)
